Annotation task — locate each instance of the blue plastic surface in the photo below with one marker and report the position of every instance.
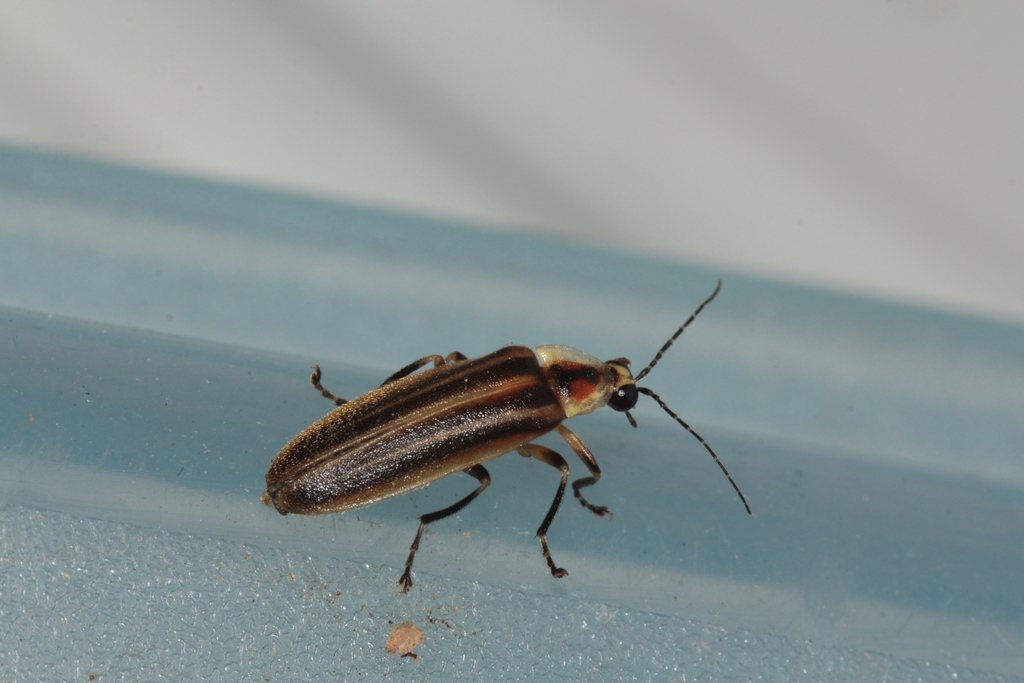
(880, 447)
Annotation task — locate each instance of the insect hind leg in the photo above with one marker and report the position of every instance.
(314, 379)
(481, 475)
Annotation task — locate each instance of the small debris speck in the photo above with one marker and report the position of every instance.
(404, 639)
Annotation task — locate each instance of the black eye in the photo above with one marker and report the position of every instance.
(624, 398)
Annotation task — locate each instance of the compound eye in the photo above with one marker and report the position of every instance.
(624, 398)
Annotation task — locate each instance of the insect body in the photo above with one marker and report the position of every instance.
(419, 427)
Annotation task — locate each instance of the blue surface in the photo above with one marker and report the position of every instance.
(880, 447)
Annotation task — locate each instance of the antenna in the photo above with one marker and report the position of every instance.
(645, 390)
(661, 352)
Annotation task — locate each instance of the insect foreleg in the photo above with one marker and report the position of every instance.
(412, 367)
(477, 471)
(576, 443)
(552, 458)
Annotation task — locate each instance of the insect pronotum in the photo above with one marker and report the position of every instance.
(418, 427)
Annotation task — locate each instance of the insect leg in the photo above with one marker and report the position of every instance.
(481, 475)
(315, 381)
(436, 359)
(552, 458)
(595, 472)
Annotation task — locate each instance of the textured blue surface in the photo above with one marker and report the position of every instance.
(880, 448)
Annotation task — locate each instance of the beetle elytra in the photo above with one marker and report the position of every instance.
(418, 427)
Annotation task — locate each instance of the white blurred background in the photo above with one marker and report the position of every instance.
(873, 147)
